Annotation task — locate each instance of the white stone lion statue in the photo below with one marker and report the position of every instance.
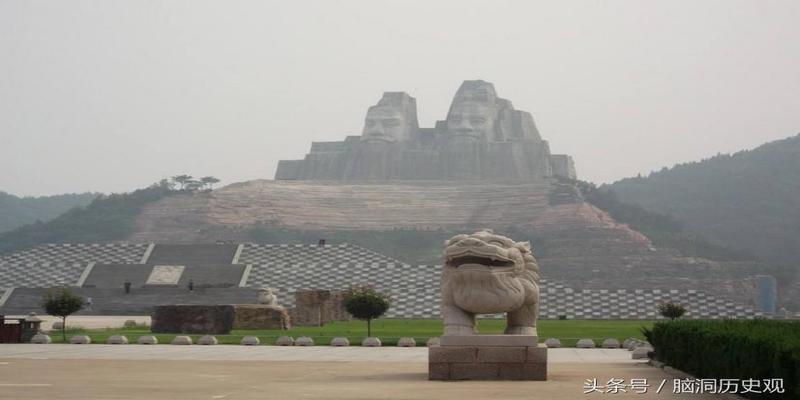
(485, 273)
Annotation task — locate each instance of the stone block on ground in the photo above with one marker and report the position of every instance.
(434, 341)
(406, 342)
(490, 340)
(340, 342)
(147, 339)
(626, 344)
(250, 341)
(129, 323)
(371, 341)
(487, 363)
(552, 343)
(260, 316)
(585, 344)
(204, 319)
(80, 339)
(284, 341)
(641, 352)
(182, 340)
(57, 325)
(41, 339)
(610, 343)
(452, 354)
(318, 307)
(504, 354)
(304, 341)
(207, 340)
(117, 339)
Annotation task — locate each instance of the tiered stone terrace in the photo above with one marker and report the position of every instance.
(288, 268)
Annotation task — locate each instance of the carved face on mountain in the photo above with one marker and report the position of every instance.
(393, 119)
(473, 112)
(487, 273)
(470, 121)
(384, 124)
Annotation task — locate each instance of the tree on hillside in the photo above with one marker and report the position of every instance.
(193, 185)
(60, 302)
(366, 303)
(209, 181)
(182, 180)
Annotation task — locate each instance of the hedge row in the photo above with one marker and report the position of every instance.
(737, 349)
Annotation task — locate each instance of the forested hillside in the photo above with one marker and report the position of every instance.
(749, 200)
(17, 211)
(105, 219)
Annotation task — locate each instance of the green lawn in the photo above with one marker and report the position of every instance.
(389, 330)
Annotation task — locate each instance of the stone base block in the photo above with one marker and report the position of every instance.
(185, 318)
(519, 363)
(260, 316)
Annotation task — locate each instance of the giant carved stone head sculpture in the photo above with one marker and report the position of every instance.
(474, 112)
(477, 113)
(486, 273)
(393, 119)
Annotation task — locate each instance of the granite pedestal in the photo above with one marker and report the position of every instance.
(488, 357)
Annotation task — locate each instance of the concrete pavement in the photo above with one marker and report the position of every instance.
(271, 353)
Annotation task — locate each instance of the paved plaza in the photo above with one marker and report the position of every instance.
(89, 372)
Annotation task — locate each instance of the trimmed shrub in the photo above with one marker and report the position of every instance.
(737, 349)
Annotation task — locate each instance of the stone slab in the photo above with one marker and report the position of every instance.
(475, 371)
(524, 363)
(183, 318)
(165, 275)
(490, 340)
(502, 354)
(537, 354)
(260, 316)
(442, 354)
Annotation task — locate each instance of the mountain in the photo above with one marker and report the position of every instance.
(750, 200)
(18, 211)
(104, 219)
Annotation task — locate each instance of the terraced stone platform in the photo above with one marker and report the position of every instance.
(289, 268)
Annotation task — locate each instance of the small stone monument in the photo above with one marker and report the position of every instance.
(80, 339)
(284, 341)
(41, 339)
(266, 296)
(304, 341)
(147, 339)
(117, 339)
(207, 340)
(250, 341)
(552, 343)
(371, 342)
(406, 342)
(485, 273)
(182, 340)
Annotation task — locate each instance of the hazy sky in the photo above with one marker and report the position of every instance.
(114, 95)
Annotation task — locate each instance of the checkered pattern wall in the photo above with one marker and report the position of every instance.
(110, 253)
(415, 292)
(39, 274)
(309, 254)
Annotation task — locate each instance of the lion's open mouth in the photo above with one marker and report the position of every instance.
(473, 260)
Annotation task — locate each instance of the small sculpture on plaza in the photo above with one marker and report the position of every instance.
(266, 296)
